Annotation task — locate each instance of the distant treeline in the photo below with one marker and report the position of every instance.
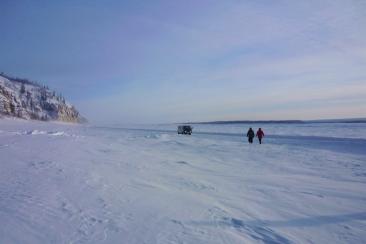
(252, 122)
(20, 80)
(358, 120)
(44, 88)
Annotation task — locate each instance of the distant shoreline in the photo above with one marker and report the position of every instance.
(355, 120)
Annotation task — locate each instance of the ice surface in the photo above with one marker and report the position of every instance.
(64, 183)
(338, 130)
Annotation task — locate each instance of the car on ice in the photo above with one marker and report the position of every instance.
(185, 129)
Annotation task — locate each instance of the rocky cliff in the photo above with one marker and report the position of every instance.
(28, 100)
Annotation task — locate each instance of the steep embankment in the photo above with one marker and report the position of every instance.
(28, 100)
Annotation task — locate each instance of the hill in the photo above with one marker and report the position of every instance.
(26, 99)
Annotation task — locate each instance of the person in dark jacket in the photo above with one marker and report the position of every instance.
(250, 135)
(260, 135)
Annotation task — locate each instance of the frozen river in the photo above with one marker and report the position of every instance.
(64, 183)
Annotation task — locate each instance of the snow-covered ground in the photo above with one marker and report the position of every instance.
(64, 183)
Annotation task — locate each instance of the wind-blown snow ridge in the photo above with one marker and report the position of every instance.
(51, 133)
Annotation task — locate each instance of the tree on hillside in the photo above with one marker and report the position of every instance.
(22, 89)
(43, 94)
(12, 108)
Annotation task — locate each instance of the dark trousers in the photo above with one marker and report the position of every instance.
(260, 140)
(250, 139)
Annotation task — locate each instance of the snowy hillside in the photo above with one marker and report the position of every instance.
(24, 99)
(81, 184)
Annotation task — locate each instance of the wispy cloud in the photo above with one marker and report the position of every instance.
(197, 60)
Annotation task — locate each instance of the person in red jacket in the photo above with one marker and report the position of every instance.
(260, 135)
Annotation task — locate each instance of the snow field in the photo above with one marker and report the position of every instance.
(78, 184)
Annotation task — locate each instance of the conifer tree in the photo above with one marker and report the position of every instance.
(22, 89)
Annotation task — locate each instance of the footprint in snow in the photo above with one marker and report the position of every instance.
(41, 165)
(45, 165)
(182, 162)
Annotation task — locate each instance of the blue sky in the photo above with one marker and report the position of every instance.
(170, 61)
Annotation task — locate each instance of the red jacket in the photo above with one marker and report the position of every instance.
(260, 133)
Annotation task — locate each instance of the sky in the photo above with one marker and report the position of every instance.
(194, 60)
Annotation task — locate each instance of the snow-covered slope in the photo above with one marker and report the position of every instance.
(80, 184)
(28, 100)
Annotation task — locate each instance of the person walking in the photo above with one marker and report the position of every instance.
(250, 135)
(260, 135)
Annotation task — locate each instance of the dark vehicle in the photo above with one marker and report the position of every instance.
(185, 129)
